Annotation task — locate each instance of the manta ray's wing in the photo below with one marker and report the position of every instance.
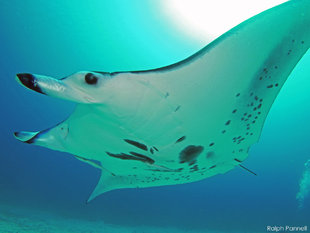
(225, 91)
(222, 94)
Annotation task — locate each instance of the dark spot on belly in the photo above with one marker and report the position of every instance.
(190, 154)
(235, 110)
(210, 154)
(177, 108)
(180, 139)
(211, 144)
(238, 95)
(136, 144)
(192, 162)
(155, 148)
(212, 167)
(228, 122)
(152, 151)
(195, 168)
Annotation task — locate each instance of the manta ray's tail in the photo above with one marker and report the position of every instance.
(107, 182)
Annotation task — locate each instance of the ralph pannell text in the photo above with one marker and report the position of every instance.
(287, 228)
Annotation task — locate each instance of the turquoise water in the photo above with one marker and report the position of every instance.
(42, 187)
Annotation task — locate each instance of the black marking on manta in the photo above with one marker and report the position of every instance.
(136, 144)
(210, 154)
(180, 139)
(177, 108)
(165, 170)
(133, 156)
(144, 157)
(29, 81)
(195, 168)
(190, 154)
(228, 122)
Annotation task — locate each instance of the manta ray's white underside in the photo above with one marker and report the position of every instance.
(184, 122)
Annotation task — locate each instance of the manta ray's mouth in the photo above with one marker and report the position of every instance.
(29, 81)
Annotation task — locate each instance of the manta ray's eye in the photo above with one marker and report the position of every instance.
(91, 79)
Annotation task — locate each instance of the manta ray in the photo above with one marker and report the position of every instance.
(182, 122)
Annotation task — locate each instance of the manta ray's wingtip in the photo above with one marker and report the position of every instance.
(26, 137)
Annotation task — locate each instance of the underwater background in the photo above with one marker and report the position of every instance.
(46, 191)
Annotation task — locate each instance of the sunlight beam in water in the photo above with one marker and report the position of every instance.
(208, 19)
